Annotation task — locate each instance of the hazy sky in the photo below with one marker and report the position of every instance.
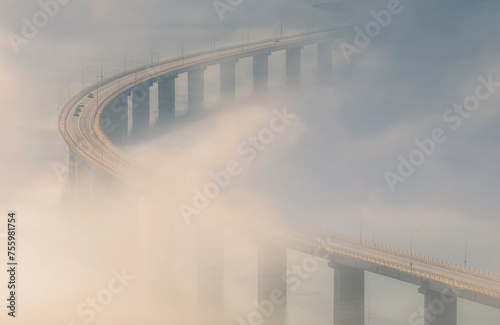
(329, 166)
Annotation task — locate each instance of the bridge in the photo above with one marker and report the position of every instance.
(95, 120)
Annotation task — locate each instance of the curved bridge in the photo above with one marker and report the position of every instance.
(103, 118)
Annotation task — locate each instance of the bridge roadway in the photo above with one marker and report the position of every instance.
(87, 140)
(84, 135)
(472, 284)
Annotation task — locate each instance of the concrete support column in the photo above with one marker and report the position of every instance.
(271, 285)
(349, 295)
(166, 100)
(196, 91)
(293, 66)
(325, 58)
(114, 119)
(228, 82)
(73, 162)
(162, 247)
(260, 73)
(210, 254)
(440, 308)
(140, 109)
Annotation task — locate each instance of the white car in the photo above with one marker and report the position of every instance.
(80, 104)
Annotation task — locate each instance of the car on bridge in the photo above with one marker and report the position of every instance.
(80, 104)
(90, 95)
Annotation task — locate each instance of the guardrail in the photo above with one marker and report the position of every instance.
(65, 112)
(403, 253)
(318, 233)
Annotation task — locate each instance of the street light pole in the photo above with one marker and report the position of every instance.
(281, 26)
(360, 228)
(157, 61)
(83, 79)
(411, 250)
(465, 248)
(152, 45)
(135, 67)
(125, 60)
(182, 49)
(61, 98)
(69, 89)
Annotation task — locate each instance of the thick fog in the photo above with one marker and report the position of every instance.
(342, 161)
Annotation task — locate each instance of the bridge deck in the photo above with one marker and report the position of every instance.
(85, 137)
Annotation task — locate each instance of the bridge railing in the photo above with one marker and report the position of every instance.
(404, 253)
(313, 236)
(415, 271)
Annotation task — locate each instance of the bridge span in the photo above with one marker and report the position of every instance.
(103, 122)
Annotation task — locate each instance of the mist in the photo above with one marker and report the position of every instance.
(325, 168)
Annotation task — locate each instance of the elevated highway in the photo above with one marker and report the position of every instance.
(89, 143)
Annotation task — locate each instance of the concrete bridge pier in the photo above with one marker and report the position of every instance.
(196, 91)
(260, 73)
(114, 119)
(349, 295)
(293, 66)
(210, 258)
(271, 283)
(73, 161)
(140, 109)
(325, 58)
(166, 101)
(162, 248)
(440, 308)
(228, 82)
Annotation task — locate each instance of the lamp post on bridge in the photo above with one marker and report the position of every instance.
(411, 249)
(117, 72)
(465, 248)
(157, 60)
(61, 99)
(373, 233)
(125, 60)
(361, 228)
(152, 52)
(135, 67)
(83, 78)
(181, 45)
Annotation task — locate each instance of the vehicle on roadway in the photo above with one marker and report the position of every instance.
(76, 113)
(80, 104)
(90, 95)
